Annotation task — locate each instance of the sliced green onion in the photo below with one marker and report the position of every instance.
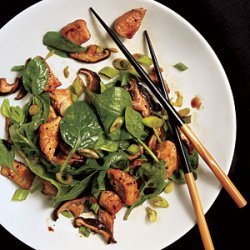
(152, 121)
(179, 99)
(66, 72)
(5, 108)
(20, 195)
(152, 214)
(133, 149)
(184, 112)
(84, 231)
(121, 64)
(79, 86)
(187, 119)
(67, 214)
(159, 201)
(64, 178)
(180, 66)
(109, 72)
(169, 188)
(143, 59)
(18, 68)
(157, 135)
(103, 86)
(117, 123)
(94, 207)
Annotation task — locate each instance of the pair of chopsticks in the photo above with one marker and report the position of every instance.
(177, 123)
(192, 188)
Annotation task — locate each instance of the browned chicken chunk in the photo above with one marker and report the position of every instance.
(49, 137)
(167, 152)
(61, 100)
(111, 202)
(53, 81)
(129, 23)
(23, 177)
(124, 185)
(52, 114)
(76, 32)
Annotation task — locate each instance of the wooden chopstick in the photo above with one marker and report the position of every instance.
(207, 157)
(192, 188)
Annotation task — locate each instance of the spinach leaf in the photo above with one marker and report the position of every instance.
(58, 52)
(5, 108)
(7, 155)
(116, 160)
(24, 136)
(98, 184)
(77, 189)
(56, 40)
(126, 76)
(17, 115)
(89, 167)
(35, 76)
(134, 125)
(178, 176)
(80, 127)
(106, 144)
(152, 178)
(110, 105)
(43, 102)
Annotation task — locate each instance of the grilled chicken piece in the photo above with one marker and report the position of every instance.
(167, 152)
(124, 185)
(53, 81)
(22, 177)
(61, 100)
(52, 114)
(49, 137)
(110, 201)
(129, 23)
(139, 103)
(76, 32)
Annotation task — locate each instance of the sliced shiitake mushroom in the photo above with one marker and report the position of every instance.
(93, 54)
(76, 207)
(140, 103)
(9, 88)
(107, 219)
(95, 226)
(93, 79)
(21, 93)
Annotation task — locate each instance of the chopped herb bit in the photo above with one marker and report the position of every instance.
(180, 66)
(20, 195)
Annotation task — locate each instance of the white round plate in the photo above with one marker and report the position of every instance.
(174, 40)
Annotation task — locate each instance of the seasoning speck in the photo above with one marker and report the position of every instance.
(51, 229)
(196, 102)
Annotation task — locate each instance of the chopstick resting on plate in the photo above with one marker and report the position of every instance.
(207, 157)
(193, 191)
